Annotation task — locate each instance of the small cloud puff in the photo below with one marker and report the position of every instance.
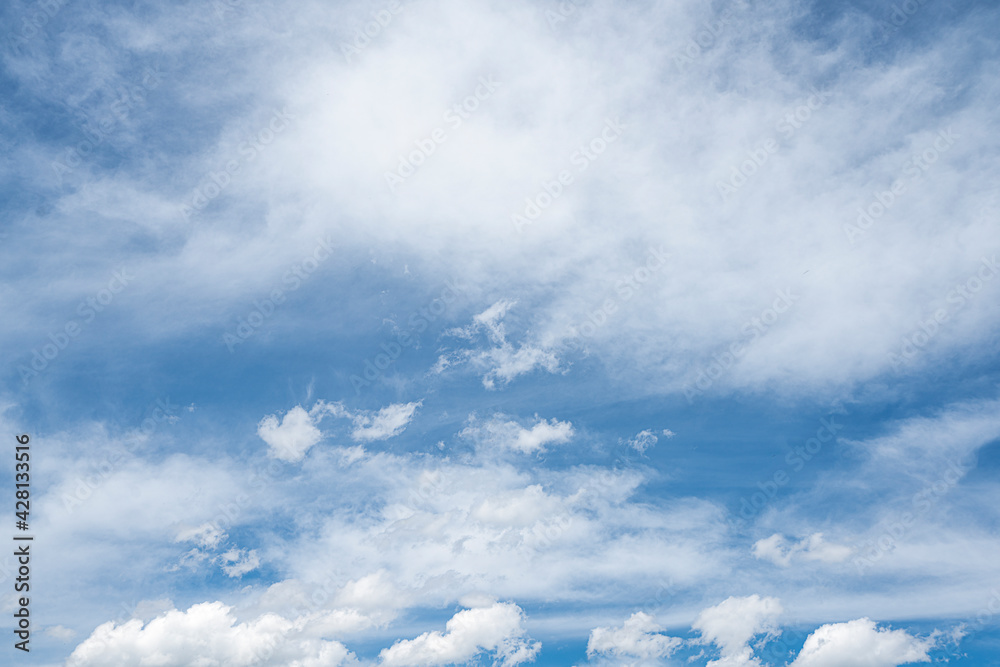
(780, 551)
(497, 628)
(501, 360)
(386, 423)
(290, 439)
(731, 625)
(638, 638)
(237, 562)
(501, 433)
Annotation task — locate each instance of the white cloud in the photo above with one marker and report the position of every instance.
(337, 152)
(207, 535)
(386, 423)
(491, 319)
(731, 625)
(60, 633)
(375, 594)
(498, 628)
(446, 530)
(779, 551)
(336, 610)
(502, 361)
(298, 431)
(207, 633)
(643, 440)
(499, 432)
(519, 508)
(860, 643)
(290, 440)
(639, 637)
(237, 562)
(920, 446)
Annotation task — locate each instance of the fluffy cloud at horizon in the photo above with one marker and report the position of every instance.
(559, 333)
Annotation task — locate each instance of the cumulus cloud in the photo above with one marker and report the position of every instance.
(290, 439)
(208, 633)
(336, 610)
(502, 433)
(536, 533)
(497, 629)
(639, 638)
(374, 594)
(731, 625)
(860, 643)
(778, 550)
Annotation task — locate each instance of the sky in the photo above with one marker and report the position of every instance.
(565, 332)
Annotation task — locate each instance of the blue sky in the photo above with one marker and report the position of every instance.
(555, 333)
